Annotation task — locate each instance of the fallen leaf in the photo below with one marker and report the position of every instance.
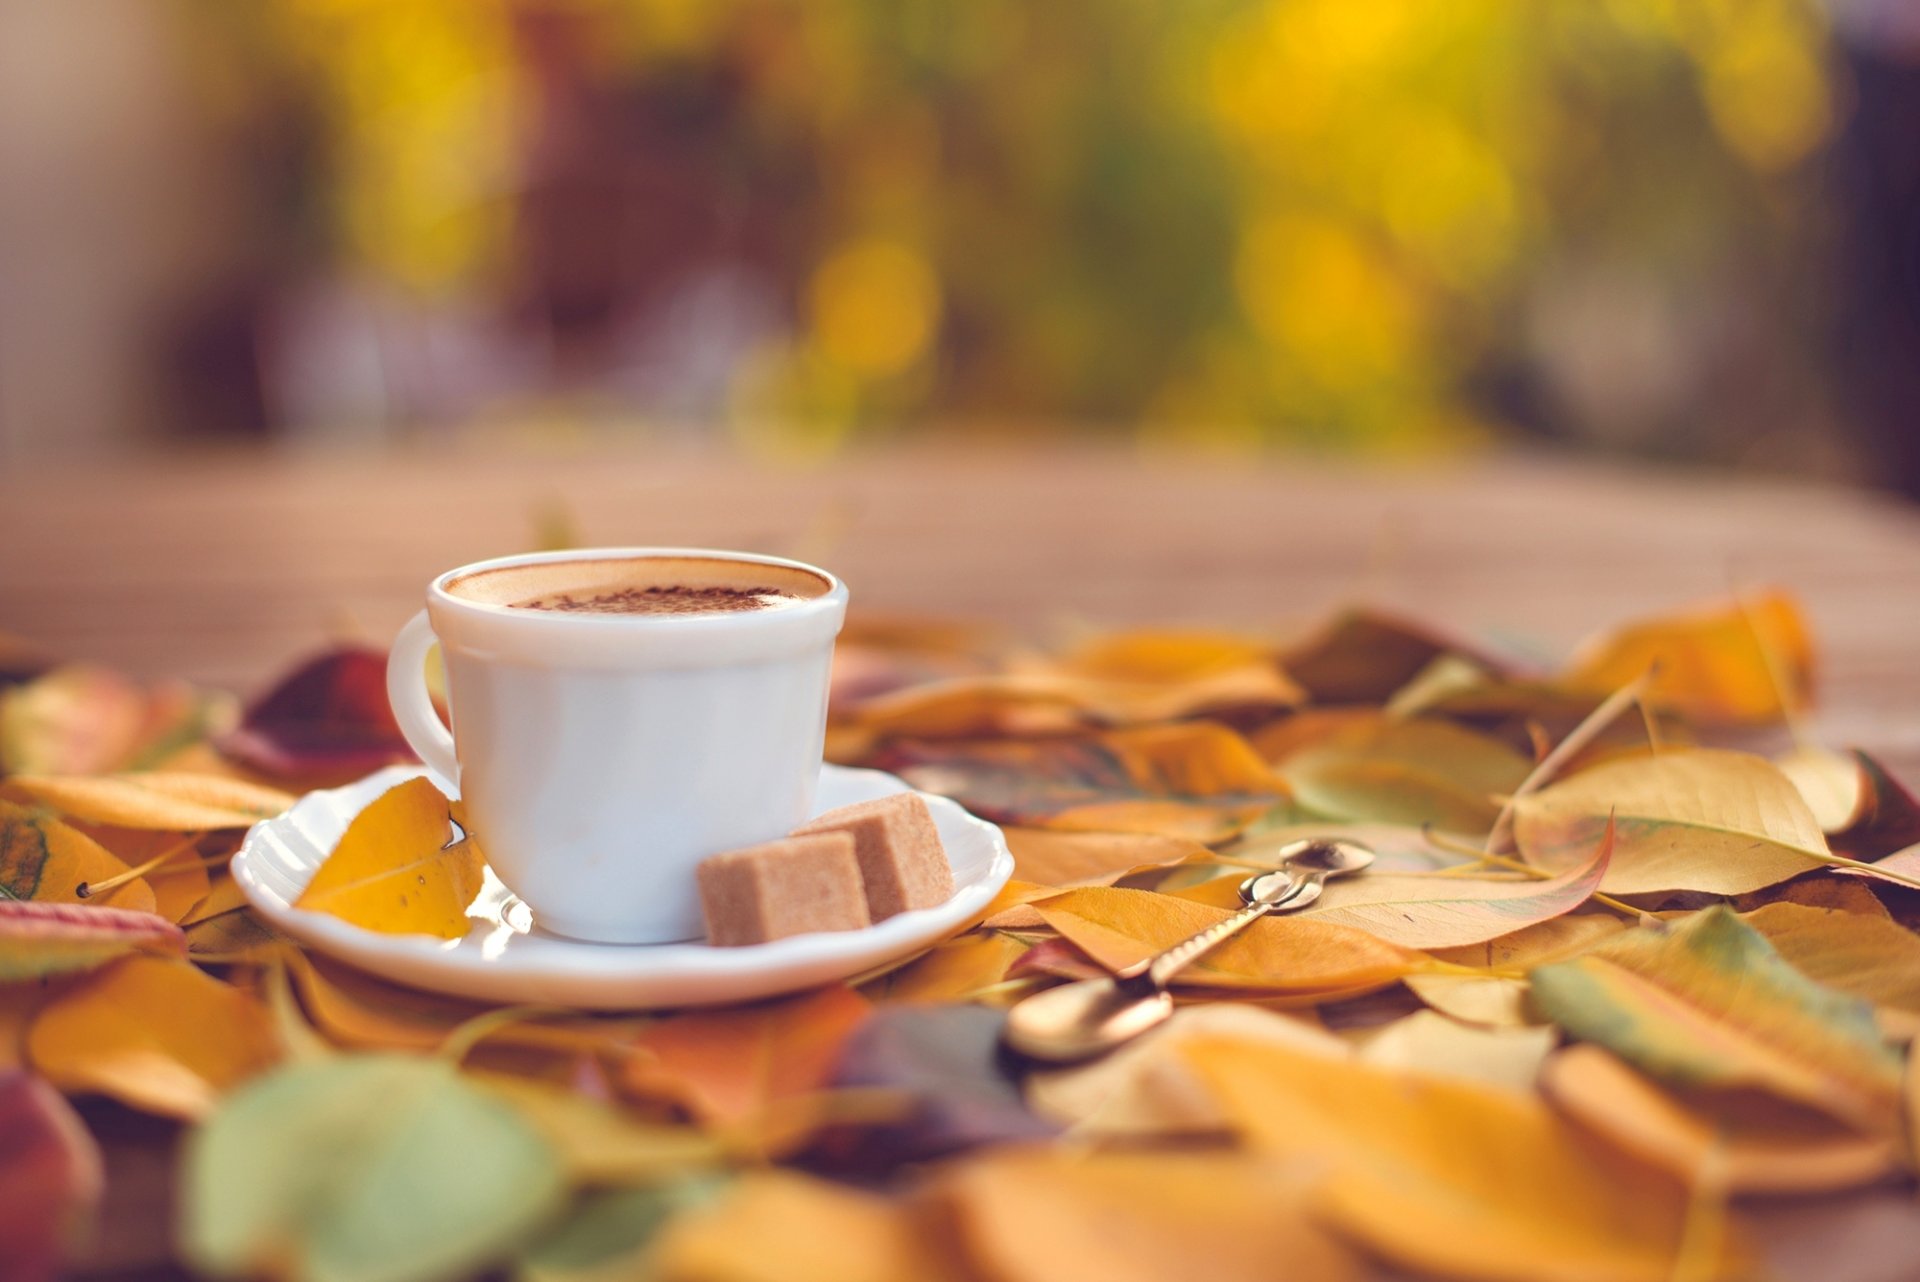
(86, 720)
(223, 896)
(1149, 1088)
(1408, 772)
(180, 881)
(363, 1168)
(45, 860)
(1275, 955)
(945, 1061)
(1873, 958)
(1450, 1177)
(780, 1226)
(605, 1236)
(152, 800)
(1364, 655)
(232, 937)
(1758, 1144)
(327, 721)
(1828, 781)
(50, 1182)
(356, 1010)
(600, 1142)
(1428, 1042)
(1040, 1216)
(1194, 780)
(1687, 819)
(38, 939)
(157, 1034)
(1885, 817)
(1745, 663)
(1710, 1003)
(393, 870)
(1500, 1000)
(1053, 858)
(963, 969)
(1450, 912)
(731, 1067)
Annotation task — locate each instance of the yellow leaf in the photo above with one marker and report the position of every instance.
(46, 860)
(1449, 1177)
(1428, 1042)
(1449, 912)
(357, 1010)
(1686, 819)
(1728, 663)
(223, 896)
(1500, 999)
(1148, 1087)
(1873, 958)
(1756, 1144)
(393, 870)
(1276, 955)
(1405, 772)
(730, 1067)
(1710, 1003)
(602, 1143)
(1054, 858)
(1828, 781)
(1043, 1216)
(153, 799)
(778, 1226)
(959, 970)
(179, 881)
(156, 1034)
(1195, 780)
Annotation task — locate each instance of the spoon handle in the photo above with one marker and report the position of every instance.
(1160, 969)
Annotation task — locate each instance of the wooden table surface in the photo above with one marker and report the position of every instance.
(225, 569)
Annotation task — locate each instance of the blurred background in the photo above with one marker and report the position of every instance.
(1678, 229)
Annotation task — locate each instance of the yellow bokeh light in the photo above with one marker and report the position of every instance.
(1767, 95)
(874, 305)
(1325, 298)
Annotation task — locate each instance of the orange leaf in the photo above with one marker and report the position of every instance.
(46, 860)
(1731, 663)
(1055, 858)
(1278, 954)
(1043, 1216)
(154, 1033)
(1758, 1145)
(729, 1067)
(1198, 780)
(1451, 1177)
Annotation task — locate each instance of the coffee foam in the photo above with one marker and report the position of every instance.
(659, 585)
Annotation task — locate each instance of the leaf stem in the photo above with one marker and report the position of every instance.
(88, 889)
(1577, 739)
(1515, 865)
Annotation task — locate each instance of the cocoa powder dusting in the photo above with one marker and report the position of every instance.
(660, 599)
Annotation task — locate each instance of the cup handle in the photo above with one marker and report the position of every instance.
(412, 708)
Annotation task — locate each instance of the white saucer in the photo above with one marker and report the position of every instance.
(506, 958)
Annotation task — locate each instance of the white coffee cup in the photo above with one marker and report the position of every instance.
(601, 757)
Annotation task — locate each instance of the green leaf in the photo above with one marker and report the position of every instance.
(607, 1230)
(1405, 772)
(367, 1168)
(1711, 1003)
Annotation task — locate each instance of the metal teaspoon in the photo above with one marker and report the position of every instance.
(1090, 1017)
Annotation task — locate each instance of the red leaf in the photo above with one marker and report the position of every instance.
(50, 1177)
(39, 937)
(330, 718)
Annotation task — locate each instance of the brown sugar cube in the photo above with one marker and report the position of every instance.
(902, 864)
(785, 887)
